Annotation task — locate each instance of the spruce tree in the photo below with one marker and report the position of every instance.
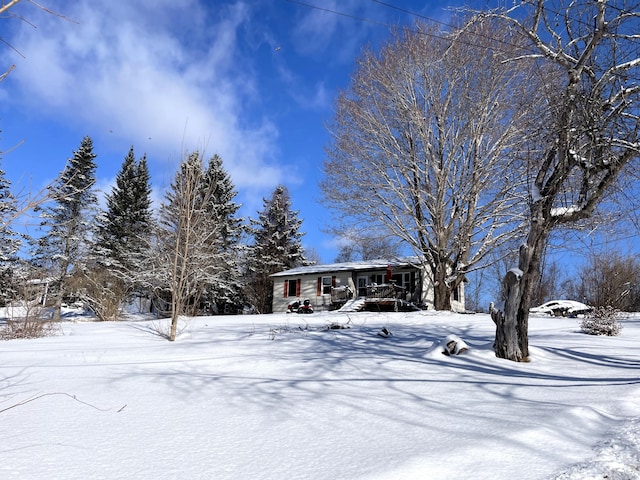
(67, 222)
(225, 288)
(123, 229)
(277, 246)
(9, 240)
(122, 237)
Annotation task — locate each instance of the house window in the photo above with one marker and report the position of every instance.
(456, 294)
(292, 288)
(378, 279)
(404, 280)
(327, 283)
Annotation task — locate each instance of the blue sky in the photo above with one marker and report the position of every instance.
(252, 80)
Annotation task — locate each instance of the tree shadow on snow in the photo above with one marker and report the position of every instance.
(353, 367)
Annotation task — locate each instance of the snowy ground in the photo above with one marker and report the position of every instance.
(275, 397)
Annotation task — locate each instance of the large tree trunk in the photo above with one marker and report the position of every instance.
(512, 324)
(507, 343)
(441, 297)
(441, 291)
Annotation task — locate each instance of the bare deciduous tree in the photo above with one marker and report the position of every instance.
(587, 137)
(185, 259)
(608, 279)
(420, 147)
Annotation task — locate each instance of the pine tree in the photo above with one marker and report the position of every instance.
(64, 246)
(122, 238)
(9, 240)
(123, 229)
(276, 246)
(226, 288)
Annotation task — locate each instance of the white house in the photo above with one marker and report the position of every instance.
(326, 285)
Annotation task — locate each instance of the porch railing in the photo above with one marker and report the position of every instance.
(385, 290)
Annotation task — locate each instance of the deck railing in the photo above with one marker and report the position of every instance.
(385, 290)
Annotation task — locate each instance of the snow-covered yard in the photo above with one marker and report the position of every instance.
(280, 397)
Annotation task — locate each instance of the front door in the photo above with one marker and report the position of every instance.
(362, 286)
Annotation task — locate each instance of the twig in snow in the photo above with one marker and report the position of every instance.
(38, 397)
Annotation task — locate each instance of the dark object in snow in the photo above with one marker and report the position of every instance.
(385, 333)
(304, 307)
(454, 345)
(337, 326)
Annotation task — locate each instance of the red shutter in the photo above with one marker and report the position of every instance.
(333, 281)
(286, 289)
(319, 290)
(298, 285)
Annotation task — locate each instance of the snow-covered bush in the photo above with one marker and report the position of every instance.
(602, 321)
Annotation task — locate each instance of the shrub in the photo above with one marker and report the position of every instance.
(32, 324)
(602, 321)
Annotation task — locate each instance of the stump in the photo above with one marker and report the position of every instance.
(454, 345)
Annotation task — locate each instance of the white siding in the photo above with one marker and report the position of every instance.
(308, 289)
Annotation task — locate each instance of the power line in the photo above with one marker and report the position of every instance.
(342, 14)
(529, 49)
(408, 12)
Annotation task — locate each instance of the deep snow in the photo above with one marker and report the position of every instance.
(280, 396)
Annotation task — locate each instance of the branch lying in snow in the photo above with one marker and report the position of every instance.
(37, 397)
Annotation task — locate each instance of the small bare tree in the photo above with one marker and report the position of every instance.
(586, 138)
(420, 148)
(185, 259)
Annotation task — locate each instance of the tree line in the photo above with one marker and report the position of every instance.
(196, 254)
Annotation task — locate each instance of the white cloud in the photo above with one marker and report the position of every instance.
(159, 74)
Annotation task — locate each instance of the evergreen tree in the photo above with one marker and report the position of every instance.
(9, 240)
(225, 246)
(63, 247)
(276, 246)
(122, 238)
(123, 230)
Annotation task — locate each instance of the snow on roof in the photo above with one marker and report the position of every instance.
(376, 264)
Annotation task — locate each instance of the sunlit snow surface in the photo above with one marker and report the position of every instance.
(281, 397)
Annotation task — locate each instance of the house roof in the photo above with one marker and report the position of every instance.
(378, 264)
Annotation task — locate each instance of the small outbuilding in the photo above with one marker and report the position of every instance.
(372, 284)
